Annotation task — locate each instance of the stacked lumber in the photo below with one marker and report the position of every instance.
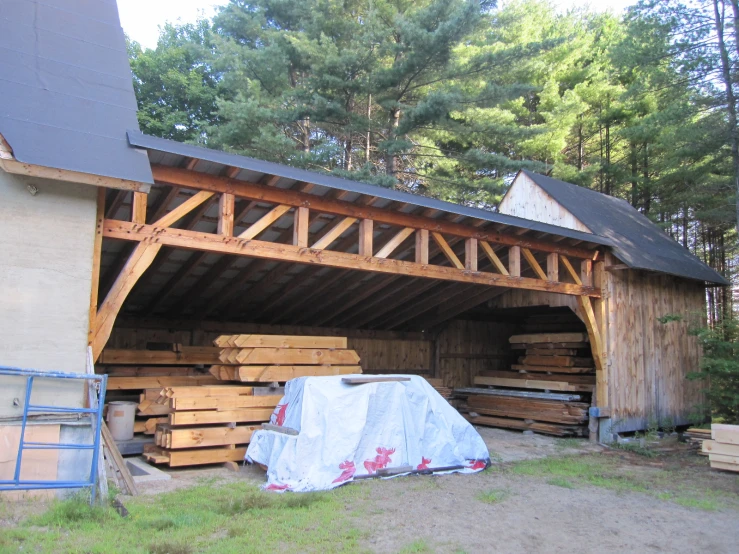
(551, 363)
(695, 437)
(438, 384)
(204, 424)
(279, 358)
(723, 449)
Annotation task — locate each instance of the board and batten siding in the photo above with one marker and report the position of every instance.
(528, 200)
(46, 250)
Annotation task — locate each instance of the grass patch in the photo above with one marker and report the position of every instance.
(417, 546)
(569, 442)
(561, 482)
(493, 496)
(210, 517)
(685, 485)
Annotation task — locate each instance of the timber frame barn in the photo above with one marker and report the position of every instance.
(111, 238)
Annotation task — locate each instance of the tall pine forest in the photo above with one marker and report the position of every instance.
(449, 98)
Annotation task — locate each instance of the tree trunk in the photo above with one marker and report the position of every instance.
(730, 99)
(634, 175)
(369, 130)
(391, 160)
(645, 183)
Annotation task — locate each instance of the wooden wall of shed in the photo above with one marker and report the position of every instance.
(467, 347)
(648, 361)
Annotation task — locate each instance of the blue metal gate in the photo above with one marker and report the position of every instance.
(97, 383)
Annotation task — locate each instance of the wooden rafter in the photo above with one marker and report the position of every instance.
(265, 221)
(447, 250)
(254, 191)
(493, 257)
(533, 264)
(334, 233)
(393, 244)
(453, 309)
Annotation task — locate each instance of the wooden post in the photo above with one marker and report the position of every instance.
(599, 309)
(96, 254)
(422, 246)
(586, 273)
(514, 261)
(226, 214)
(138, 208)
(366, 234)
(470, 254)
(552, 267)
(300, 227)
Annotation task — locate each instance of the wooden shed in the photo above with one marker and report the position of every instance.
(117, 240)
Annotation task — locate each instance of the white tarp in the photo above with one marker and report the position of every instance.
(350, 430)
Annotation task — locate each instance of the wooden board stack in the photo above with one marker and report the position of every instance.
(551, 362)
(695, 437)
(204, 424)
(723, 449)
(279, 358)
(438, 384)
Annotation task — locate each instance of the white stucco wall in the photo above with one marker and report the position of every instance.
(46, 246)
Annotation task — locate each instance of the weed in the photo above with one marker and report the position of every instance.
(74, 512)
(568, 443)
(493, 496)
(561, 482)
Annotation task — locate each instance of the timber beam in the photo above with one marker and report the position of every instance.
(219, 244)
(253, 191)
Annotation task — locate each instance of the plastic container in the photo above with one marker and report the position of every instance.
(121, 416)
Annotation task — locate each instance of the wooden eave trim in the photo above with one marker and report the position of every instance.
(66, 175)
(254, 191)
(210, 242)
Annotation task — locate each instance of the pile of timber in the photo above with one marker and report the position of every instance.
(205, 424)
(695, 437)
(279, 358)
(438, 384)
(723, 449)
(551, 364)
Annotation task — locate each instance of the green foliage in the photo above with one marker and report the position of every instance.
(493, 496)
(720, 369)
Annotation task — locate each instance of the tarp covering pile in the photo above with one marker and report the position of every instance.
(350, 430)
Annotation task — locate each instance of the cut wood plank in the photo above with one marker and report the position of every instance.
(725, 466)
(373, 379)
(290, 356)
(537, 338)
(549, 360)
(723, 459)
(133, 383)
(532, 384)
(713, 447)
(150, 371)
(279, 341)
(725, 433)
(156, 357)
(276, 373)
(220, 390)
(552, 369)
(550, 345)
(573, 379)
(551, 352)
(541, 427)
(224, 416)
(193, 437)
(193, 457)
(151, 408)
(224, 402)
(117, 460)
(150, 425)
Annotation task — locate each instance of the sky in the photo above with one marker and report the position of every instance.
(141, 19)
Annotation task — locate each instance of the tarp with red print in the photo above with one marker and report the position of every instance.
(346, 431)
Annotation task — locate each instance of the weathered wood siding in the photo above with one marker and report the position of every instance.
(648, 361)
(528, 200)
(467, 347)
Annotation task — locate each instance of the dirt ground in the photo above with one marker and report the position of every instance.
(622, 502)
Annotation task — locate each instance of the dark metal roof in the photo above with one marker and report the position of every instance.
(66, 87)
(172, 153)
(634, 238)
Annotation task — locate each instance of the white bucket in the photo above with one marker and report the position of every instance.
(120, 419)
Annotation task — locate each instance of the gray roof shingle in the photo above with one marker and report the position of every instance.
(66, 87)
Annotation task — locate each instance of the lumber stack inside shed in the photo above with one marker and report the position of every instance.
(548, 390)
(276, 358)
(723, 448)
(188, 398)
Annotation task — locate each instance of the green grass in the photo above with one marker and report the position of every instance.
(237, 518)
(493, 496)
(683, 486)
(561, 482)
